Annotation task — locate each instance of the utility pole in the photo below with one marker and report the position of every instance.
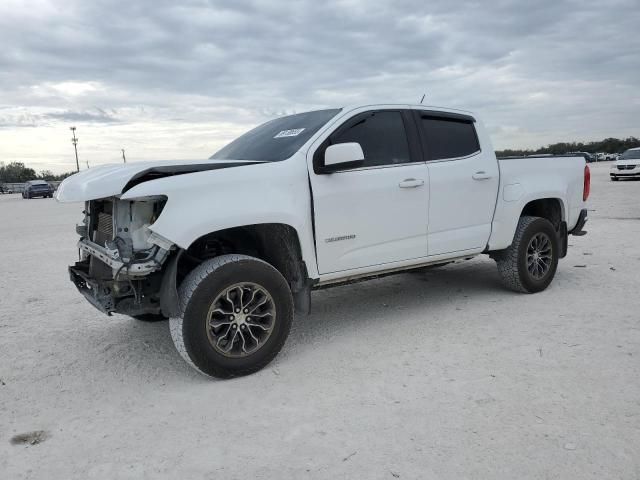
(124, 159)
(74, 140)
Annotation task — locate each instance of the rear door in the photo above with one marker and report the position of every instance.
(375, 214)
(463, 183)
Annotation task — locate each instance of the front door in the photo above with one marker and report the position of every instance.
(375, 214)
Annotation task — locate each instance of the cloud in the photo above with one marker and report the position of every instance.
(96, 116)
(537, 72)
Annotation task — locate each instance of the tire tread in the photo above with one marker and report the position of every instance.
(507, 260)
(185, 292)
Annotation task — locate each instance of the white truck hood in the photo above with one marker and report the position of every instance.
(110, 180)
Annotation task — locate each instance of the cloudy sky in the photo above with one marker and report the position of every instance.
(178, 79)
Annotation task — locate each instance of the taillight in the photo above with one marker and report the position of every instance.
(587, 183)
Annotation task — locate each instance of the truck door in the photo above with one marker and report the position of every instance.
(463, 185)
(377, 213)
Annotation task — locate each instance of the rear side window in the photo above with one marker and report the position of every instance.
(449, 137)
(380, 134)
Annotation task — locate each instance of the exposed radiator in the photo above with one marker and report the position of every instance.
(104, 228)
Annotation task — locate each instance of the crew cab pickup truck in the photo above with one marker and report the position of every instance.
(230, 247)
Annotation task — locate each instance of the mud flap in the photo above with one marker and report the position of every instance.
(169, 300)
(302, 300)
(563, 238)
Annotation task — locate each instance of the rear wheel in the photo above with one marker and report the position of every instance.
(614, 179)
(530, 263)
(235, 315)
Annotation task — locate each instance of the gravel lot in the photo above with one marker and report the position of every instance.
(434, 375)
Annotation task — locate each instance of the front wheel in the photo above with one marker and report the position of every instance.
(614, 179)
(530, 263)
(235, 315)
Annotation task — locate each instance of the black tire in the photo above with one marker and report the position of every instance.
(150, 317)
(512, 262)
(190, 330)
(614, 179)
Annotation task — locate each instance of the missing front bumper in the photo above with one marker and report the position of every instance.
(103, 294)
(90, 288)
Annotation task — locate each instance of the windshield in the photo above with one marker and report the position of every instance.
(630, 154)
(277, 139)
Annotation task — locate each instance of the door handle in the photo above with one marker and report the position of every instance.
(411, 183)
(481, 175)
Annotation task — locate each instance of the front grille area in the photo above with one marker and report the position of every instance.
(626, 167)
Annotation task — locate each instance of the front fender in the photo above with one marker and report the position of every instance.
(205, 202)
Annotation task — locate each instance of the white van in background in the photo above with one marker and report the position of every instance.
(627, 165)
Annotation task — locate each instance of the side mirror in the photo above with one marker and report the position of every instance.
(342, 156)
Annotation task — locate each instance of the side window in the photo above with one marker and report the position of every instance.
(448, 137)
(380, 134)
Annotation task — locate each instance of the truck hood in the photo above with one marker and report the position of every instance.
(114, 179)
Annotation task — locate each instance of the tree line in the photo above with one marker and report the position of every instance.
(17, 172)
(608, 145)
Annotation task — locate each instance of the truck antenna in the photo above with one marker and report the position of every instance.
(422, 99)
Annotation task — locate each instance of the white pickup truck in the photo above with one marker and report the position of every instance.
(230, 247)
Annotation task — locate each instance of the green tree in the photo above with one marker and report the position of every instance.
(608, 145)
(16, 172)
(47, 175)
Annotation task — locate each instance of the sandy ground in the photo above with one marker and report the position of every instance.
(435, 375)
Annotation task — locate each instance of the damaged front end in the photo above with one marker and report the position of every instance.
(125, 267)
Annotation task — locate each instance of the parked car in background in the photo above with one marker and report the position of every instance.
(611, 156)
(587, 156)
(4, 190)
(37, 188)
(627, 165)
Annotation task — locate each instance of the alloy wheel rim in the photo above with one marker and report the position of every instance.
(539, 255)
(241, 319)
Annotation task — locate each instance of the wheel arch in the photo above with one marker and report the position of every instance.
(551, 208)
(276, 243)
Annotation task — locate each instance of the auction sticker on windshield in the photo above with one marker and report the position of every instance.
(289, 133)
